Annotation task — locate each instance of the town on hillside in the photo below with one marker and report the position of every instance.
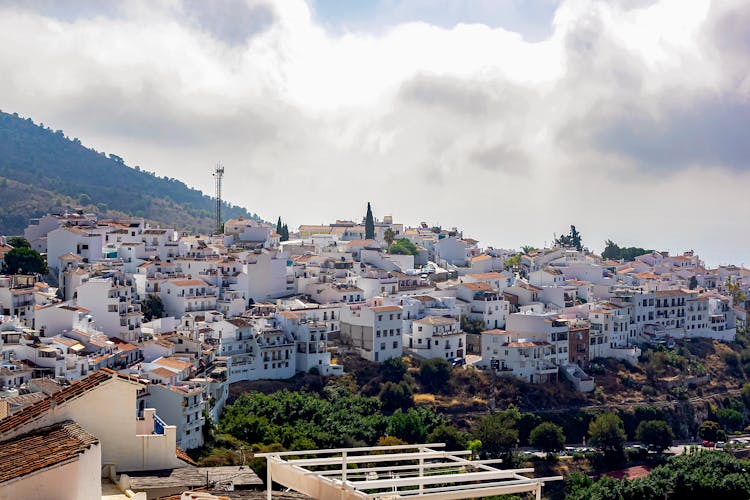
(135, 333)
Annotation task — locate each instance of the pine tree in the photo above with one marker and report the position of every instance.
(369, 224)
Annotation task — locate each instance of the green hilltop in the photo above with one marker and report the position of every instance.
(43, 171)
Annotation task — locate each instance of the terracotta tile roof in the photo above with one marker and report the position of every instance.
(385, 309)
(173, 363)
(489, 276)
(43, 448)
(184, 457)
(631, 472)
(162, 372)
(477, 287)
(190, 283)
(72, 391)
(436, 320)
(480, 258)
(289, 315)
(526, 344)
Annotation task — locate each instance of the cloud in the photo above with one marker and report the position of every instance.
(600, 115)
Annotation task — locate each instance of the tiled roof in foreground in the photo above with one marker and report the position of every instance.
(43, 448)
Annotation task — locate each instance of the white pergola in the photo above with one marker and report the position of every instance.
(395, 472)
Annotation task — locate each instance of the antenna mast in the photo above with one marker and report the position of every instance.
(218, 175)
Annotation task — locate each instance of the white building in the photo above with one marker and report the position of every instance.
(374, 331)
(436, 337)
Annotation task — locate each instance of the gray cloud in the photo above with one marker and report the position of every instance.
(708, 131)
(231, 21)
(501, 158)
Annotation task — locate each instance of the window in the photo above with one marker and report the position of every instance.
(382, 346)
(377, 334)
(395, 344)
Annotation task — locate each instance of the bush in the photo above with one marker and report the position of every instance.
(396, 396)
(393, 370)
(434, 375)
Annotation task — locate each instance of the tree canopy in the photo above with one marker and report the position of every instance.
(498, 432)
(703, 474)
(403, 246)
(655, 434)
(435, 375)
(18, 242)
(607, 431)
(24, 260)
(711, 431)
(369, 224)
(548, 437)
(612, 251)
(572, 239)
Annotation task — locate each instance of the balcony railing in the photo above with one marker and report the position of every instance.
(159, 425)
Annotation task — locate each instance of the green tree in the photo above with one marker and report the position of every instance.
(18, 242)
(472, 325)
(711, 431)
(656, 434)
(453, 438)
(393, 370)
(284, 233)
(389, 236)
(396, 396)
(527, 249)
(152, 307)
(572, 239)
(24, 260)
(435, 375)
(607, 432)
(735, 290)
(730, 419)
(548, 437)
(745, 393)
(403, 247)
(369, 224)
(278, 226)
(498, 433)
(408, 426)
(512, 262)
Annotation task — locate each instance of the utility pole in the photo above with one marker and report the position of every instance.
(218, 175)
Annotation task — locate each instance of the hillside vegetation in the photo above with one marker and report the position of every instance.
(43, 171)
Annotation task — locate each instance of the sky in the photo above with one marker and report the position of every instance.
(511, 119)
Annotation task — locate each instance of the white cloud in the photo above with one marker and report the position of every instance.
(621, 121)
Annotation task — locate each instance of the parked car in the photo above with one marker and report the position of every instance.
(720, 444)
(708, 444)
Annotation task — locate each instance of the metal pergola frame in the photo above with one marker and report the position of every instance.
(393, 472)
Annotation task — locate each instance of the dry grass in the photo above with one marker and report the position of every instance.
(424, 398)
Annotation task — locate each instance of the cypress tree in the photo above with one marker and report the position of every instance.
(278, 226)
(284, 233)
(369, 224)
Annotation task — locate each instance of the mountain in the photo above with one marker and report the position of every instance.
(43, 171)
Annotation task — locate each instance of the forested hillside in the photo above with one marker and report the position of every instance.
(42, 170)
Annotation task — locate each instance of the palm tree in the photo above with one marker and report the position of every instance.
(389, 236)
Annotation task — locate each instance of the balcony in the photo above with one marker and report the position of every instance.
(159, 425)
